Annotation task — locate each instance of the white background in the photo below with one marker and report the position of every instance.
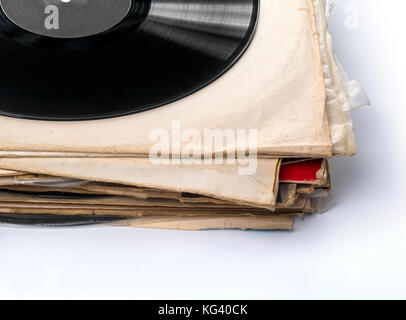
(356, 250)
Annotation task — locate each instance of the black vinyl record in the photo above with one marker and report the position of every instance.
(92, 59)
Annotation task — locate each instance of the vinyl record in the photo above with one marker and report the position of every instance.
(92, 59)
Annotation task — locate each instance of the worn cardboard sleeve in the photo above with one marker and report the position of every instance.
(337, 103)
(219, 181)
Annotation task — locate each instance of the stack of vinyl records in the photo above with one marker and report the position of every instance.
(181, 114)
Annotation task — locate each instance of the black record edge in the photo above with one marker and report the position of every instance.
(239, 52)
(53, 220)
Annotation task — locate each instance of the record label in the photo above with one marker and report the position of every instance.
(66, 18)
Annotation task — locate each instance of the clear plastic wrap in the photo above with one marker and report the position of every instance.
(343, 94)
